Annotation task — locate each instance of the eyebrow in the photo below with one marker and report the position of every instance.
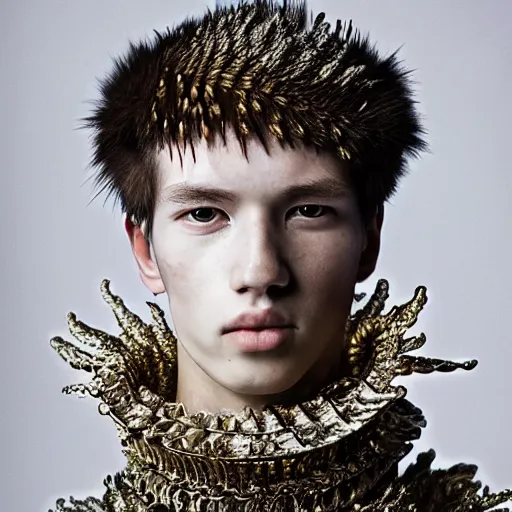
(327, 188)
(181, 193)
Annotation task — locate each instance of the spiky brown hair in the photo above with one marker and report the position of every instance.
(262, 70)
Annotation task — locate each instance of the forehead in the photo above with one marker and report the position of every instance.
(225, 166)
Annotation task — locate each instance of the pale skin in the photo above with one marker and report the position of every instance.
(279, 231)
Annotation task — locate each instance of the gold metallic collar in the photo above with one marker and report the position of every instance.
(335, 452)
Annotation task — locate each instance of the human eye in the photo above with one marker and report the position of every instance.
(204, 215)
(310, 211)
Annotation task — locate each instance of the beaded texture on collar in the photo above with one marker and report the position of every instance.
(337, 452)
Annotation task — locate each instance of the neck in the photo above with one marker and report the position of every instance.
(198, 392)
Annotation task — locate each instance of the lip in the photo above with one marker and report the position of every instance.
(259, 340)
(258, 331)
(257, 321)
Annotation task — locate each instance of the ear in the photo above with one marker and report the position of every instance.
(370, 253)
(148, 268)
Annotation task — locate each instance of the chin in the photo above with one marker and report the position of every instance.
(259, 383)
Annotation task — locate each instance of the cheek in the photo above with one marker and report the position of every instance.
(187, 273)
(330, 261)
(181, 277)
(175, 269)
(183, 284)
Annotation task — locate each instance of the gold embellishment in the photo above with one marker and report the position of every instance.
(324, 454)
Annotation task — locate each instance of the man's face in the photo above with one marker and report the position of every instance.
(259, 258)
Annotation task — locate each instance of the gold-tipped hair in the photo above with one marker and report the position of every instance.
(262, 70)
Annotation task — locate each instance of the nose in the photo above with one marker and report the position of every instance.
(258, 264)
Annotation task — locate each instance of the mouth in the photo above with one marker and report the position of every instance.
(259, 331)
(259, 340)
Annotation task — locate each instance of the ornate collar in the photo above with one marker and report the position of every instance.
(336, 451)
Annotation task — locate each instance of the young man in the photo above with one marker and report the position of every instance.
(252, 154)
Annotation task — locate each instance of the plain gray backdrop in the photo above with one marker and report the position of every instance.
(448, 228)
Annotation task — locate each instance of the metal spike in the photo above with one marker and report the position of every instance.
(75, 357)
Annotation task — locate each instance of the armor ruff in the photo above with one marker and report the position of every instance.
(336, 452)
